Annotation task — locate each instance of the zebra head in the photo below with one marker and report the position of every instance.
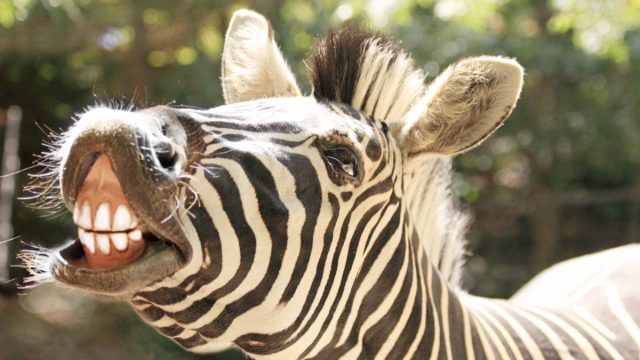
(262, 222)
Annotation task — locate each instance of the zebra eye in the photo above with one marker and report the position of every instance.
(343, 164)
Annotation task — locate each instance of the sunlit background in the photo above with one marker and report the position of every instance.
(561, 178)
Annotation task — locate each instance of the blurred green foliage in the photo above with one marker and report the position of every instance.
(559, 179)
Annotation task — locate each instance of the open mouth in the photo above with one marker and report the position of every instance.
(116, 252)
(108, 229)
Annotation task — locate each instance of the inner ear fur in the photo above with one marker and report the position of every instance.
(463, 106)
(252, 65)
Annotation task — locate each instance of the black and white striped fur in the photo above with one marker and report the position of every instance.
(294, 257)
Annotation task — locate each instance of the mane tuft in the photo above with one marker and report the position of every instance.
(367, 70)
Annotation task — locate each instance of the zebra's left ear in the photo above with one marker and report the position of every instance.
(252, 64)
(462, 107)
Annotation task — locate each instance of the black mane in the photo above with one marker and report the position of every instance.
(335, 61)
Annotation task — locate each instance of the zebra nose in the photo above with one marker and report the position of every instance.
(166, 155)
(166, 147)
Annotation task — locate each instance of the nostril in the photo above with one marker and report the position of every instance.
(166, 155)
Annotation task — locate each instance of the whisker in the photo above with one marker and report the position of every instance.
(206, 169)
(196, 200)
(18, 171)
(10, 280)
(36, 260)
(10, 240)
(175, 210)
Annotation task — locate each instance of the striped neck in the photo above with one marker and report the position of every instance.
(399, 306)
(394, 305)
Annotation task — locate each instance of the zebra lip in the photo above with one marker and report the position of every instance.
(160, 259)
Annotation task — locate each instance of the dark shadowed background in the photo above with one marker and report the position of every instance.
(560, 179)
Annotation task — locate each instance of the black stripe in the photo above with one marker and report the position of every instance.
(392, 226)
(270, 343)
(377, 224)
(381, 166)
(538, 336)
(151, 313)
(270, 207)
(456, 327)
(436, 296)
(195, 340)
(372, 299)
(373, 150)
(478, 349)
(376, 336)
(209, 237)
(567, 340)
(602, 353)
(410, 331)
(309, 192)
(366, 265)
(232, 206)
(238, 137)
(172, 330)
(428, 339)
(346, 195)
(498, 339)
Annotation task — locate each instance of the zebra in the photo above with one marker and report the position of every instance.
(315, 227)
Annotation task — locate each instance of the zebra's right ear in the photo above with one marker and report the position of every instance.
(252, 64)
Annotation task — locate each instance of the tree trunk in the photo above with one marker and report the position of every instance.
(10, 164)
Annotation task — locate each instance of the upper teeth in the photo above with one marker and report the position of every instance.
(84, 218)
(103, 218)
(123, 219)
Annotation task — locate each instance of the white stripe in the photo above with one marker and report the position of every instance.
(316, 323)
(304, 290)
(185, 334)
(601, 276)
(393, 337)
(164, 321)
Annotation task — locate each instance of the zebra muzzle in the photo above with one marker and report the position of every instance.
(128, 235)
